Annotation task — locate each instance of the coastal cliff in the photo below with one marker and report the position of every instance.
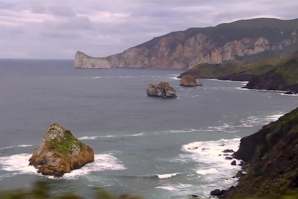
(276, 73)
(245, 41)
(272, 158)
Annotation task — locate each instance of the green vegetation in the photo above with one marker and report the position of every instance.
(276, 73)
(41, 190)
(67, 144)
(223, 33)
(272, 155)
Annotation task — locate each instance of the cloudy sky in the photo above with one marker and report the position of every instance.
(50, 29)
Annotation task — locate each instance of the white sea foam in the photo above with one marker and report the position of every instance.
(101, 162)
(176, 187)
(110, 136)
(164, 176)
(18, 146)
(18, 164)
(174, 76)
(88, 138)
(207, 171)
(212, 167)
(292, 95)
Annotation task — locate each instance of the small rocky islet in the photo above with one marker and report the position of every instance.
(60, 152)
(190, 81)
(162, 89)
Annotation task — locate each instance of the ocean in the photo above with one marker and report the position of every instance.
(155, 148)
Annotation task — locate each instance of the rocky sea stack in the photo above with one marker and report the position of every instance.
(162, 89)
(190, 81)
(60, 152)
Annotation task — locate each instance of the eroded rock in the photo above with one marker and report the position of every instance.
(60, 152)
(190, 81)
(162, 89)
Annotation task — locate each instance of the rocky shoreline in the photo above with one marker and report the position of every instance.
(270, 161)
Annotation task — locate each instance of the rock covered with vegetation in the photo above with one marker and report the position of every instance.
(162, 89)
(190, 81)
(60, 152)
(272, 158)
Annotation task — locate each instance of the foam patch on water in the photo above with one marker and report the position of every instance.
(213, 168)
(110, 136)
(260, 120)
(18, 164)
(176, 187)
(174, 76)
(88, 138)
(102, 162)
(18, 146)
(207, 171)
(165, 176)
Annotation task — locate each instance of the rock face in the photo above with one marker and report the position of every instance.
(272, 156)
(214, 45)
(60, 152)
(162, 89)
(190, 81)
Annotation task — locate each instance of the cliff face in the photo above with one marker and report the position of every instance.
(272, 155)
(213, 45)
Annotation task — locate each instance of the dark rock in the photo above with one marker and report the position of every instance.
(229, 158)
(162, 89)
(226, 154)
(190, 81)
(217, 192)
(219, 155)
(233, 163)
(194, 196)
(241, 163)
(228, 151)
(239, 174)
(290, 93)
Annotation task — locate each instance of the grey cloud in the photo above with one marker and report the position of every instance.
(38, 8)
(61, 11)
(58, 28)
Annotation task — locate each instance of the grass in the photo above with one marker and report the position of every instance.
(65, 145)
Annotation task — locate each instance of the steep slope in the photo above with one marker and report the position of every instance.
(282, 77)
(241, 40)
(272, 156)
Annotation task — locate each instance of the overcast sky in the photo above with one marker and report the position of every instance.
(50, 29)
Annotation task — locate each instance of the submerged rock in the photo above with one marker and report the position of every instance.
(60, 152)
(228, 151)
(217, 192)
(162, 89)
(190, 81)
(233, 163)
(290, 93)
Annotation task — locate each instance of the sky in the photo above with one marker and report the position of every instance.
(56, 29)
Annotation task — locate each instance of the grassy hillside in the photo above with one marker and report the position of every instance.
(275, 73)
(261, 27)
(284, 76)
(272, 156)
